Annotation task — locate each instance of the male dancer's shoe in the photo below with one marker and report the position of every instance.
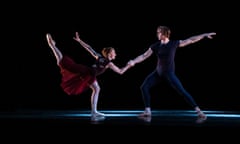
(201, 117)
(145, 114)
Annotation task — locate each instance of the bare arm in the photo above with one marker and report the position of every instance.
(142, 57)
(86, 46)
(196, 38)
(118, 70)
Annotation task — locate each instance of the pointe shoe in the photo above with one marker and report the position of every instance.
(50, 41)
(97, 114)
(145, 114)
(97, 118)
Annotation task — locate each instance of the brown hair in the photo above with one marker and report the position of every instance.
(164, 30)
(106, 51)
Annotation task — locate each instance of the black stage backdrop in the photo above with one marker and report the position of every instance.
(207, 69)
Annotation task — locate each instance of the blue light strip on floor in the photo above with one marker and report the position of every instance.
(116, 113)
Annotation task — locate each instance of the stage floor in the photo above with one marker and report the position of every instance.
(162, 118)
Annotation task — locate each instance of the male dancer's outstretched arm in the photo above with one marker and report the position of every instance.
(196, 38)
(141, 57)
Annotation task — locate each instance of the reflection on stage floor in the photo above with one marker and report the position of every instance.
(163, 118)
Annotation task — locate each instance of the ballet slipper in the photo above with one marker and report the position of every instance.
(97, 114)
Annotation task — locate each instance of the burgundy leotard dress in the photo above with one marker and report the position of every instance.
(76, 78)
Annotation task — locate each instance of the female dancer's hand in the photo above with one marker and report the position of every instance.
(77, 38)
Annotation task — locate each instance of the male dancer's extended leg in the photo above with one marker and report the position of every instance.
(177, 85)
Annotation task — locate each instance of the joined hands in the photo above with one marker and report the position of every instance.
(131, 63)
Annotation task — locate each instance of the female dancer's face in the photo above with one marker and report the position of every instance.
(112, 55)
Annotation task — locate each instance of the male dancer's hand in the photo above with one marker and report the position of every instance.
(209, 35)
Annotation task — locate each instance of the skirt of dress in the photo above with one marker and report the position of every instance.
(76, 78)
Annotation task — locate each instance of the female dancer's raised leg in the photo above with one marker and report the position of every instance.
(56, 51)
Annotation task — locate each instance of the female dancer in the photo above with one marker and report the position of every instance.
(76, 78)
